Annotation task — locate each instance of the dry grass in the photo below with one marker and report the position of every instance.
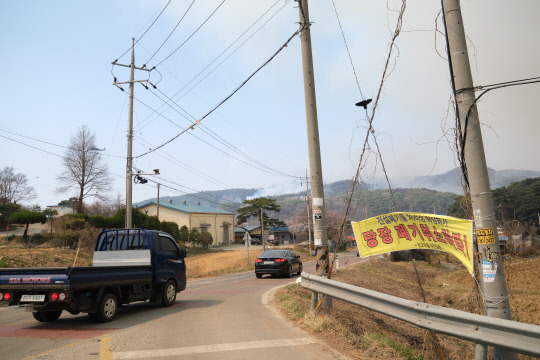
(364, 334)
(219, 263)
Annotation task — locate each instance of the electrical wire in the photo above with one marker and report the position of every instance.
(193, 33)
(232, 53)
(199, 192)
(218, 138)
(131, 47)
(146, 121)
(348, 52)
(33, 147)
(185, 166)
(226, 98)
(488, 88)
(177, 24)
(191, 195)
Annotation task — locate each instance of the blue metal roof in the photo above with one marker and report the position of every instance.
(186, 208)
(248, 228)
(279, 228)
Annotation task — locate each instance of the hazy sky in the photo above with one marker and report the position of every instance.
(57, 76)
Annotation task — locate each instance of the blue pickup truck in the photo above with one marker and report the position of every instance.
(128, 265)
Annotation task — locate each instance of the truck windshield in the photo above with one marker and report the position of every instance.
(122, 240)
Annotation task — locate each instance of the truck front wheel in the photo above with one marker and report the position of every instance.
(107, 308)
(169, 293)
(46, 316)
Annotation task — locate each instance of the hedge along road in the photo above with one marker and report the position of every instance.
(227, 317)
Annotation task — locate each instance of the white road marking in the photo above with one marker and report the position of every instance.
(201, 349)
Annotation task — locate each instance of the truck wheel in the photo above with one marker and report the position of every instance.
(169, 293)
(107, 308)
(46, 316)
(258, 275)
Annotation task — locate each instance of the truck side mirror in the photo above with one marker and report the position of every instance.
(182, 253)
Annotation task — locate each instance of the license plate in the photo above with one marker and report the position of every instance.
(268, 262)
(33, 298)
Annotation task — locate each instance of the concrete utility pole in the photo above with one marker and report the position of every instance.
(308, 215)
(129, 162)
(320, 237)
(129, 166)
(491, 267)
(157, 211)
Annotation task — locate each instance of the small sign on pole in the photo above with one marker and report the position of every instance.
(247, 242)
(247, 239)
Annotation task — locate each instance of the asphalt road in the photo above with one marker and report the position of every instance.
(227, 317)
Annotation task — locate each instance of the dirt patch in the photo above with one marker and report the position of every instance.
(43, 257)
(364, 334)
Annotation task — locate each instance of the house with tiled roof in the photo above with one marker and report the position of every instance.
(217, 222)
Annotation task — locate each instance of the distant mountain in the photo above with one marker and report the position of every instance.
(451, 180)
(432, 194)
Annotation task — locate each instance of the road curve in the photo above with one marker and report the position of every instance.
(226, 317)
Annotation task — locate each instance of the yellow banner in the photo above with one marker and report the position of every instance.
(405, 231)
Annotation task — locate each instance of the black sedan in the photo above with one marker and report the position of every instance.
(278, 262)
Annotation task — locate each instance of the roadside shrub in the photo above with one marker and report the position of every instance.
(171, 228)
(69, 238)
(152, 223)
(39, 239)
(76, 217)
(206, 239)
(97, 221)
(73, 224)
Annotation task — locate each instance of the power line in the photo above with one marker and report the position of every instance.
(144, 32)
(193, 33)
(217, 57)
(229, 96)
(33, 147)
(31, 138)
(347, 47)
(186, 166)
(170, 34)
(49, 143)
(219, 139)
(232, 53)
(192, 195)
(197, 191)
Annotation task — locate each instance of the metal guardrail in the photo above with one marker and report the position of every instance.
(501, 333)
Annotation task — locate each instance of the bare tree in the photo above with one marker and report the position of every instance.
(298, 224)
(84, 169)
(108, 207)
(14, 188)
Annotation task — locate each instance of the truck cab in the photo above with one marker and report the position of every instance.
(128, 265)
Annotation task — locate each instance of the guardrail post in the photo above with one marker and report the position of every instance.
(314, 300)
(480, 353)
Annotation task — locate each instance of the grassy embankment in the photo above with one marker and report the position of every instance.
(364, 334)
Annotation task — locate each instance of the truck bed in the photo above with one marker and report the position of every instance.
(73, 278)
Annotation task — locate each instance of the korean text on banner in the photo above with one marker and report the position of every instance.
(406, 231)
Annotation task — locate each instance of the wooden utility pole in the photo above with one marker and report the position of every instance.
(491, 263)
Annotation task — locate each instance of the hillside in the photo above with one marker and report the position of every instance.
(430, 194)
